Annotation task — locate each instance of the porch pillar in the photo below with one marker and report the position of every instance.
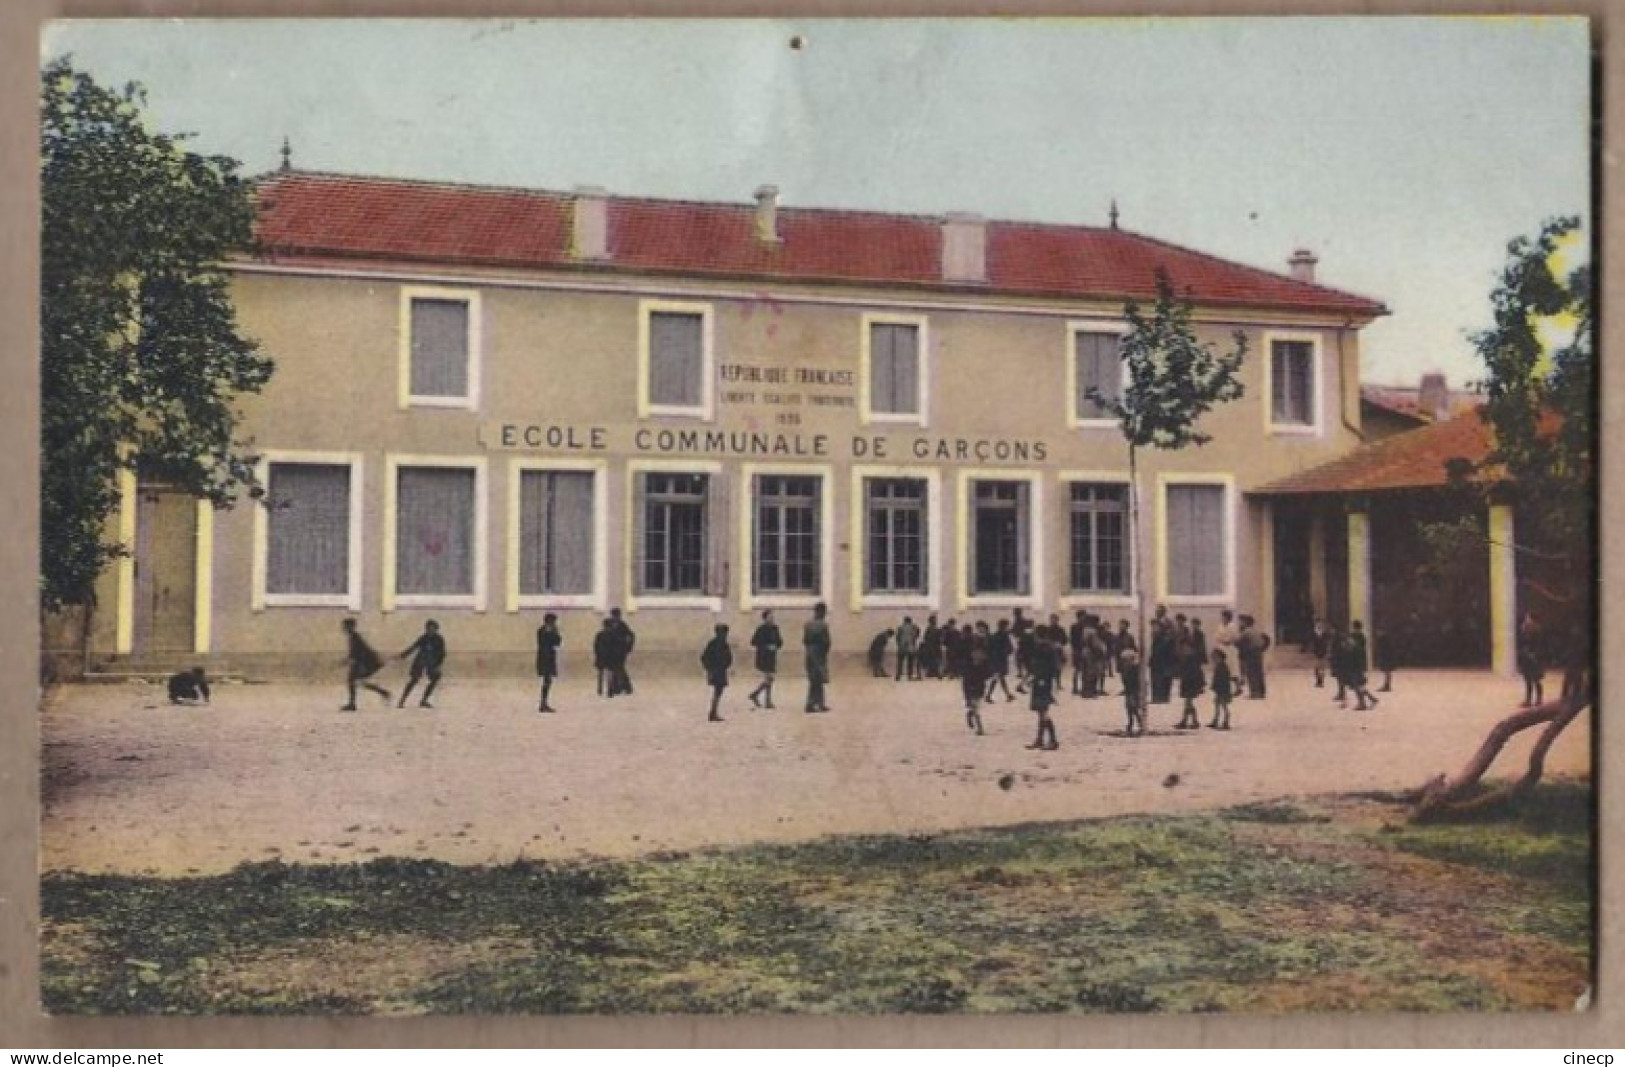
(1360, 569)
(1317, 564)
(1265, 611)
(1503, 592)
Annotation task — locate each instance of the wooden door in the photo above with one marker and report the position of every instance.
(165, 571)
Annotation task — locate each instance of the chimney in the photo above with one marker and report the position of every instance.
(1303, 265)
(964, 247)
(589, 226)
(767, 214)
(1433, 398)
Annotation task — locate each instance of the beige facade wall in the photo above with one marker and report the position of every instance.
(563, 360)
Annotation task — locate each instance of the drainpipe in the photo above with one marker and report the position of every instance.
(1342, 381)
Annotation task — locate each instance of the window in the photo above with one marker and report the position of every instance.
(1097, 364)
(1292, 384)
(1099, 537)
(436, 521)
(1197, 544)
(894, 370)
(556, 539)
(896, 536)
(675, 357)
(674, 533)
(439, 367)
(787, 546)
(999, 537)
(308, 509)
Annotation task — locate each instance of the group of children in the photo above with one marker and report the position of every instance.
(1347, 657)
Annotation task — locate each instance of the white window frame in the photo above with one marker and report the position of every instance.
(1073, 328)
(1036, 524)
(708, 367)
(749, 599)
(1227, 482)
(1317, 377)
(635, 602)
(391, 599)
(866, 414)
(350, 599)
(471, 297)
(598, 597)
(1069, 600)
(859, 540)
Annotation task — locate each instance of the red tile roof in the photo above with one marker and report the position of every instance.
(1415, 459)
(335, 217)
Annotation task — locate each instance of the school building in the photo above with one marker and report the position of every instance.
(490, 403)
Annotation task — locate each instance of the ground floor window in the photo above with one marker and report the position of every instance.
(1099, 538)
(307, 544)
(1197, 539)
(1000, 533)
(674, 535)
(556, 543)
(895, 534)
(436, 516)
(787, 534)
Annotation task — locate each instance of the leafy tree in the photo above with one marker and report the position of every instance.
(1540, 406)
(1173, 380)
(141, 354)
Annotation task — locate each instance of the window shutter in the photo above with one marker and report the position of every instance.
(676, 358)
(882, 368)
(572, 532)
(435, 531)
(716, 530)
(923, 582)
(308, 529)
(439, 348)
(1208, 519)
(905, 399)
(1024, 538)
(534, 513)
(637, 527)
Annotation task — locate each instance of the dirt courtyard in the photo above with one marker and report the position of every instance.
(135, 785)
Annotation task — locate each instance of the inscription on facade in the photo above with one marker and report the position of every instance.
(541, 437)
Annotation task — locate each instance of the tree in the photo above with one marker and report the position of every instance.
(141, 357)
(1539, 405)
(1173, 380)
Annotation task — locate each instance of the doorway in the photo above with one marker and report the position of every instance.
(165, 607)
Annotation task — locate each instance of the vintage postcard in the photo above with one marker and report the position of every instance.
(1076, 516)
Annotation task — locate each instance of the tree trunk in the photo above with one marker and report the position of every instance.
(1139, 573)
(1440, 799)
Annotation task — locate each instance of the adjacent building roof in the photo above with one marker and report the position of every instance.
(1416, 459)
(1406, 400)
(305, 215)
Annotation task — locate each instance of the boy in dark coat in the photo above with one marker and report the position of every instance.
(1530, 665)
(931, 649)
(1192, 683)
(766, 641)
(548, 640)
(716, 659)
(189, 687)
(363, 663)
(1043, 672)
(621, 645)
(998, 661)
(428, 654)
(973, 674)
(1358, 663)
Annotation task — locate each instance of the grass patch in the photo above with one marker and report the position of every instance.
(1263, 907)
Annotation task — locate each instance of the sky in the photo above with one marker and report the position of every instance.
(1405, 153)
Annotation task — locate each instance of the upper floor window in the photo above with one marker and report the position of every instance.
(1294, 388)
(1096, 368)
(675, 359)
(894, 373)
(439, 354)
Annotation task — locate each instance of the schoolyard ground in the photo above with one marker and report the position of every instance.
(276, 772)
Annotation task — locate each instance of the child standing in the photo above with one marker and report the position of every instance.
(973, 671)
(716, 659)
(1043, 672)
(363, 663)
(1223, 689)
(766, 641)
(1192, 683)
(1358, 663)
(1128, 669)
(548, 640)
